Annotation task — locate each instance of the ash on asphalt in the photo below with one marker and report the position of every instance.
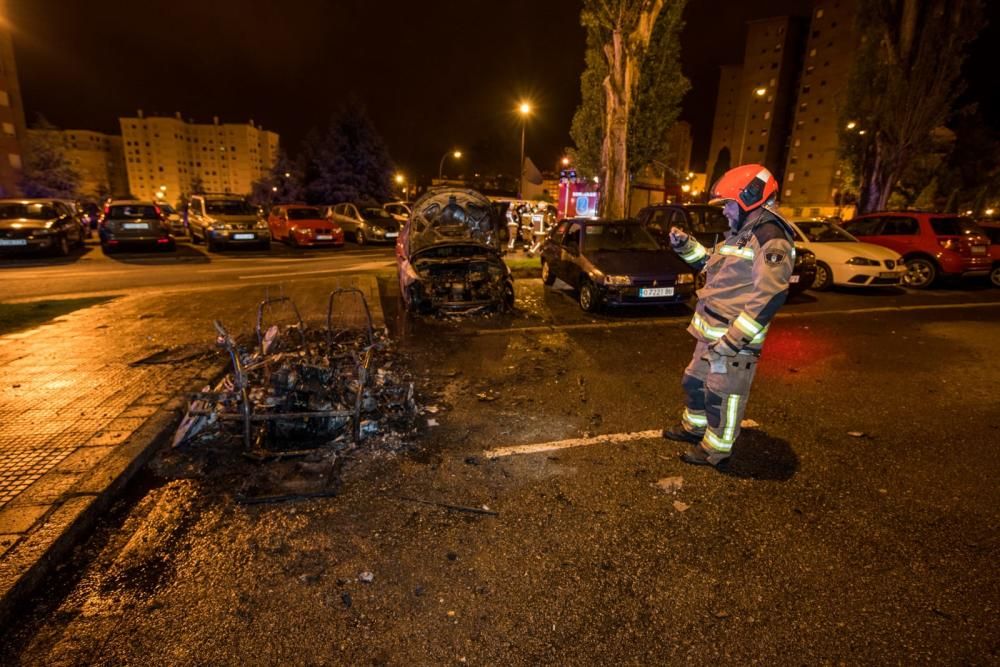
(818, 547)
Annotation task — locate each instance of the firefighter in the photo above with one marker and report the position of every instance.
(746, 282)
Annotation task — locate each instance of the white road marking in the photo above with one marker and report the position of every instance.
(290, 274)
(610, 439)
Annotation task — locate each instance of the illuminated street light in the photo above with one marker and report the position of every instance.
(565, 162)
(988, 211)
(400, 179)
(861, 131)
(760, 92)
(851, 125)
(686, 188)
(274, 188)
(525, 110)
(287, 175)
(597, 179)
(690, 174)
(457, 154)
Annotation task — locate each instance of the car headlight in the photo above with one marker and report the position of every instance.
(617, 280)
(262, 224)
(378, 231)
(862, 261)
(685, 278)
(219, 226)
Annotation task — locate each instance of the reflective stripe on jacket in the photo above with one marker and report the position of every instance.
(746, 281)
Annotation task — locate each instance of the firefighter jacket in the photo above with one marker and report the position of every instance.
(746, 281)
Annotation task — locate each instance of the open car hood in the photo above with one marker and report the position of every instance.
(451, 216)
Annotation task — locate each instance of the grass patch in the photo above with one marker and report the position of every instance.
(19, 316)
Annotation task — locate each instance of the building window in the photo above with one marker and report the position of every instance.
(8, 129)
(819, 13)
(760, 148)
(791, 176)
(14, 159)
(4, 98)
(812, 53)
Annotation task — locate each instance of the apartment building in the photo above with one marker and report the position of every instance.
(96, 157)
(812, 178)
(753, 112)
(11, 113)
(166, 156)
(679, 147)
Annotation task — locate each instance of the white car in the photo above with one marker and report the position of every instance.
(841, 259)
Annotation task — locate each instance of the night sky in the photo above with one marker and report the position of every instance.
(433, 75)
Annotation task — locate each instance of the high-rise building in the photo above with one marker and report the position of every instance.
(96, 157)
(812, 179)
(168, 157)
(753, 116)
(11, 112)
(679, 147)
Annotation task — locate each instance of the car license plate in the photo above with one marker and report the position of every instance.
(793, 279)
(650, 292)
(13, 242)
(324, 237)
(391, 235)
(978, 250)
(135, 225)
(243, 237)
(888, 274)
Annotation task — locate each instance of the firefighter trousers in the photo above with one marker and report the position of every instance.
(715, 402)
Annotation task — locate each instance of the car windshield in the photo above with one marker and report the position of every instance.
(32, 211)
(374, 213)
(954, 226)
(824, 232)
(304, 214)
(167, 209)
(710, 219)
(618, 238)
(229, 207)
(136, 211)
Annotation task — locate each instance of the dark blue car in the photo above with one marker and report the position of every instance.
(614, 264)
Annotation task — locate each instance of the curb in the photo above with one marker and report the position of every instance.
(25, 567)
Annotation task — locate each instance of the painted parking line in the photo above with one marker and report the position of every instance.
(684, 321)
(609, 439)
(291, 274)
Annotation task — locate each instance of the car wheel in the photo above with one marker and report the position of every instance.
(590, 299)
(920, 273)
(212, 245)
(194, 237)
(507, 303)
(62, 247)
(359, 237)
(547, 276)
(824, 277)
(995, 276)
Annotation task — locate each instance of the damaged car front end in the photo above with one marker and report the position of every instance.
(448, 255)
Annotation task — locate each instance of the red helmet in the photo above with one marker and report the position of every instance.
(749, 185)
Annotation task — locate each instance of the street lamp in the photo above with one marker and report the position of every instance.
(524, 108)
(455, 154)
(759, 92)
(565, 162)
(851, 125)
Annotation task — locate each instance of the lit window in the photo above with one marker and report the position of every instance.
(8, 129)
(4, 98)
(791, 176)
(819, 13)
(14, 159)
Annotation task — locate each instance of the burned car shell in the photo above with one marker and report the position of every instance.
(448, 255)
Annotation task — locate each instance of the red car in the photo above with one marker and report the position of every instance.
(301, 225)
(992, 231)
(933, 245)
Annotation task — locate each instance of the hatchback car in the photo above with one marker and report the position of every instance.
(365, 223)
(300, 225)
(134, 224)
(843, 260)
(45, 225)
(614, 263)
(992, 231)
(710, 227)
(932, 245)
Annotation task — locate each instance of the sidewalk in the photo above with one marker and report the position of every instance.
(80, 415)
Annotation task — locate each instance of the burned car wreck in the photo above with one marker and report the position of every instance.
(448, 255)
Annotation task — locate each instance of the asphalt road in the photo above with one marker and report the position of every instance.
(816, 546)
(190, 268)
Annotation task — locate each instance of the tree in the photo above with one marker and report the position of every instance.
(349, 163)
(906, 77)
(281, 185)
(47, 171)
(624, 39)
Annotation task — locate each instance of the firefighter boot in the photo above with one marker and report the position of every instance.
(680, 434)
(696, 455)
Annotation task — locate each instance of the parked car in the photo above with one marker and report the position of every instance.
(843, 260)
(710, 227)
(130, 223)
(448, 255)
(80, 214)
(300, 225)
(933, 245)
(365, 223)
(614, 263)
(992, 231)
(223, 221)
(45, 225)
(174, 219)
(399, 210)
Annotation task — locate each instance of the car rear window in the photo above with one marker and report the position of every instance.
(304, 214)
(954, 226)
(140, 212)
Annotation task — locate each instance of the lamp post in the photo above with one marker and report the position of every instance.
(525, 110)
(401, 182)
(457, 154)
(759, 92)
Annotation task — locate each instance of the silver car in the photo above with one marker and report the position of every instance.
(129, 223)
(365, 223)
(223, 221)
